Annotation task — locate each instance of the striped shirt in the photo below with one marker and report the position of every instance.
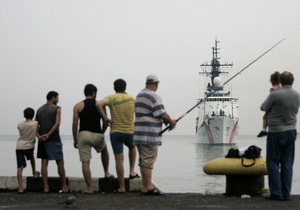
(148, 121)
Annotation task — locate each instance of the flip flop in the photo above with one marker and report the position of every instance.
(69, 191)
(118, 192)
(109, 177)
(135, 176)
(154, 192)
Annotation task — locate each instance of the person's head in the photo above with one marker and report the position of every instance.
(120, 85)
(52, 96)
(286, 78)
(152, 82)
(275, 78)
(90, 90)
(28, 113)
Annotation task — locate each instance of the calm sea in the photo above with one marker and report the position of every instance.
(179, 166)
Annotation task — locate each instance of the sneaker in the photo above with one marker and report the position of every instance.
(262, 133)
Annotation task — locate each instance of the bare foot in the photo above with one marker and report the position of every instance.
(46, 189)
(36, 174)
(20, 191)
(87, 192)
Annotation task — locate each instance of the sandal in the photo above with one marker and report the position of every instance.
(118, 192)
(155, 192)
(69, 191)
(109, 177)
(135, 176)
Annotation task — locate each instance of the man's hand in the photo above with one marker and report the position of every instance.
(75, 144)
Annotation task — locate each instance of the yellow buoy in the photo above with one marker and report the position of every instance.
(234, 166)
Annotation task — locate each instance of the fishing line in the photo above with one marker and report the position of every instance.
(231, 78)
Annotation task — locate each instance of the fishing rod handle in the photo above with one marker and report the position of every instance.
(164, 130)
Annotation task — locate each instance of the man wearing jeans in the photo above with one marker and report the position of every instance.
(281, 107)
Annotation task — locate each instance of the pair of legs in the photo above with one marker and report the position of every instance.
(119, 158)
(87, 171)
(61, 173)
(21, 154)
(280, 161)
(87, 140)
(52, 150)
(147, 157)
(117, 140)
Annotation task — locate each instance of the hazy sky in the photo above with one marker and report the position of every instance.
(63, 45)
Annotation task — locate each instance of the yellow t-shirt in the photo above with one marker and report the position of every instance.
(122, 112)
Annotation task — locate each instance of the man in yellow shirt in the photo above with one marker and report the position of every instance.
(121, 107)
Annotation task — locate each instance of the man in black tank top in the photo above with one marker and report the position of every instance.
(90, 134)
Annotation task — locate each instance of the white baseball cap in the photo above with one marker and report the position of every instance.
(152, 79)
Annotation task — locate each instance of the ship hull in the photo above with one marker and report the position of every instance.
(220, 130)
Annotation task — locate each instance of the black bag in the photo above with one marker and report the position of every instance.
(233, 153)
(251, 152)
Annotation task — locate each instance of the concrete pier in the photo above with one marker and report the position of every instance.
(75, 184)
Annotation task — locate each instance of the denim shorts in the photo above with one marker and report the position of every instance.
(51, 150)
(117, 139)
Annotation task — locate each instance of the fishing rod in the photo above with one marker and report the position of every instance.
(231, 78)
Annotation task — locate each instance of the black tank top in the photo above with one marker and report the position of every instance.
(90, 117)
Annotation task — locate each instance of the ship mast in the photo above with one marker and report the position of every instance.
(215, 68)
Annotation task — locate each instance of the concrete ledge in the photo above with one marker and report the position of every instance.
(10, 183)
(76, 184)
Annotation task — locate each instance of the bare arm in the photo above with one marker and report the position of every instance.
(167, 120)
(75, 125)
(105, 120)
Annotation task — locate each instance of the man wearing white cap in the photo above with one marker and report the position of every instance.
(149, 116)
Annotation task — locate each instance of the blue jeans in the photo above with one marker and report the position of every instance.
(280, 161)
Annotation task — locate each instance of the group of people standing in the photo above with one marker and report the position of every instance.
(134, 122)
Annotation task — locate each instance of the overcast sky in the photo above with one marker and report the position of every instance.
(63, 45)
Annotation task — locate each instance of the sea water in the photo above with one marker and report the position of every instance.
(178, 169)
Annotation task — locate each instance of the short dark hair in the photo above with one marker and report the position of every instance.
(120, 85)
(51, 94)
(89, 89)
(28, 113)
(286, 78)
(275, 78)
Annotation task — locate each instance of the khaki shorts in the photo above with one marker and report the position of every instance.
(87, 140)
(147, 155)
